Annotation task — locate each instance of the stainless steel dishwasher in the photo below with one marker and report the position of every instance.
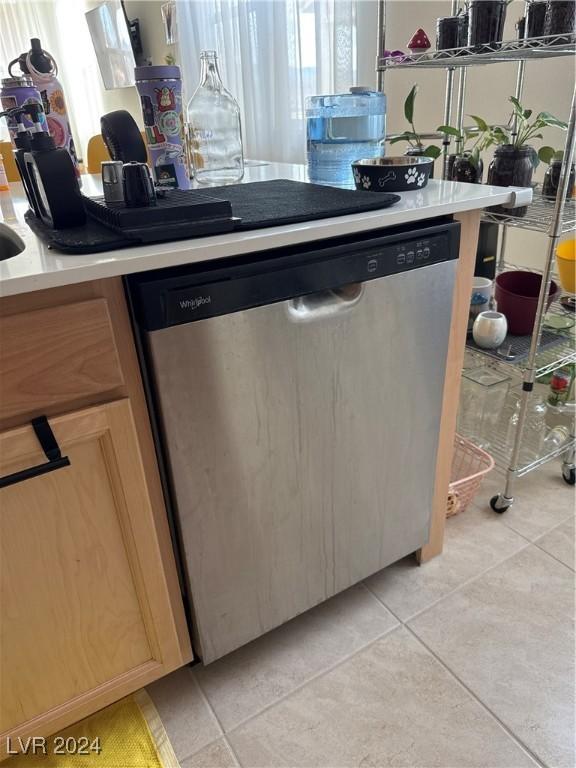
(298, 399)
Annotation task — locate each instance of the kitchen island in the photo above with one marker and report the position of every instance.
(93, 537)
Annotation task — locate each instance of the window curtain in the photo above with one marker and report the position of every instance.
(272, 54)
(63, 31)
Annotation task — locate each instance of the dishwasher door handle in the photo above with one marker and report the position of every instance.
(324, 304)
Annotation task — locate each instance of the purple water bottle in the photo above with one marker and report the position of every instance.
(160, 90)
(20, 92)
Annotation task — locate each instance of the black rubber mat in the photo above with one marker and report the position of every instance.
(256, 204)
(272, 203)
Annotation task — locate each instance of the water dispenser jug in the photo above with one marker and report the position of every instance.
(342, 128)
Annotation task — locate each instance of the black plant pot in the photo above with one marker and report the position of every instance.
(415, 152)
(464, 169)
(486, 25)
(463, 21)
(552, 181)
(511, 167)
(447, 33)
(535, 16)
(560, 19)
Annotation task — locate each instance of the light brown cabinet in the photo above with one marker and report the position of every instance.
(89, 604)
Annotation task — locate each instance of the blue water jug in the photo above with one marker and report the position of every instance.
(342, 128)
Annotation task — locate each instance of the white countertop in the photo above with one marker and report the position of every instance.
(38, 267)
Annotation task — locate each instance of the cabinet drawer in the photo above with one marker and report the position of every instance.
(56, 356)
(86, 616)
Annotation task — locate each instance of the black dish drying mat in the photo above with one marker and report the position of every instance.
(262, 204)
(258, 204)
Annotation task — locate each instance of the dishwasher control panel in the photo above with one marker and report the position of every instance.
(214, 290)
(407, 255)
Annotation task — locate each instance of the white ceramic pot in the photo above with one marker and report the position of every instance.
(490, 329)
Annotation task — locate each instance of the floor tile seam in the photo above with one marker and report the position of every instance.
(312, 679)
(455, 589)
(525, 748)
(561, 562)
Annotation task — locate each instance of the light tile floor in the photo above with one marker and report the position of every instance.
(465, 661)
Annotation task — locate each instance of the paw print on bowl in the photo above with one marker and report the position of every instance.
(366, 183)
(421, 179)
(357, 175)
(411, 175)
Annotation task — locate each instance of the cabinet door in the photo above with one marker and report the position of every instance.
(85, 616)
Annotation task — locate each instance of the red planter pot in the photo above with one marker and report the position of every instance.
(516, 294)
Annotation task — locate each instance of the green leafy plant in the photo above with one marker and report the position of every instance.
(481, 136)
(525, 130)
(548, 155)
(413, 137)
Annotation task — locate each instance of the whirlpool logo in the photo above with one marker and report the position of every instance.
(195, 303)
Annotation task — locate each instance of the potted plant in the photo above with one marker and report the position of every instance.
(514, 159)
(412, 137)
(467, 165)
(553, 159)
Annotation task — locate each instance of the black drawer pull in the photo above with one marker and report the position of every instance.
(51, 449)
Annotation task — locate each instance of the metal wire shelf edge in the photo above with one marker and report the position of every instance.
(501, 456)
(538, 217)
(510, 50)
(541, 370)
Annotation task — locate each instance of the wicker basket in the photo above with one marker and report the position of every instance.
(469, 465)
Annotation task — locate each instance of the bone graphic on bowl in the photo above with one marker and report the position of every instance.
(390, 176)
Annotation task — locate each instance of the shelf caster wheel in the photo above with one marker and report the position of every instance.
(569, 475)
(500, 503)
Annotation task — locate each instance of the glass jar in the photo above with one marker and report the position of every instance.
(463, 169)
(560, 19)
(535, 16)
(511, 167)
(486, 24)
(552, 181)
(535, 428)
(215, 133)
(482, 398)
(447, 33)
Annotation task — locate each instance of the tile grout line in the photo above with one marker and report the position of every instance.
(502, 518)
(452, 591)
(211, 709)
(461, 683)
(554, 557)
(484, 706)
(313, 678)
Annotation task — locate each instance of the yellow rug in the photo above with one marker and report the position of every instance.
(128, 734)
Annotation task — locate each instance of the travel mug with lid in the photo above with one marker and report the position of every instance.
(160, 89)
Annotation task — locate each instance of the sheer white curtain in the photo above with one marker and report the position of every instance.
(62, 28)
(272, 54)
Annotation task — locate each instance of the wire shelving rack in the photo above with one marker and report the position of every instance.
(554, 218)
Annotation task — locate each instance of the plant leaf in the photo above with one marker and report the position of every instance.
(409, 104)
(517, 106)
(432, 151)
(548, 119)
(546, 154)
(526, 114)
(449, 130)
(482, 124)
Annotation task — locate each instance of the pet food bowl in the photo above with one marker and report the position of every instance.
(392, 174)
